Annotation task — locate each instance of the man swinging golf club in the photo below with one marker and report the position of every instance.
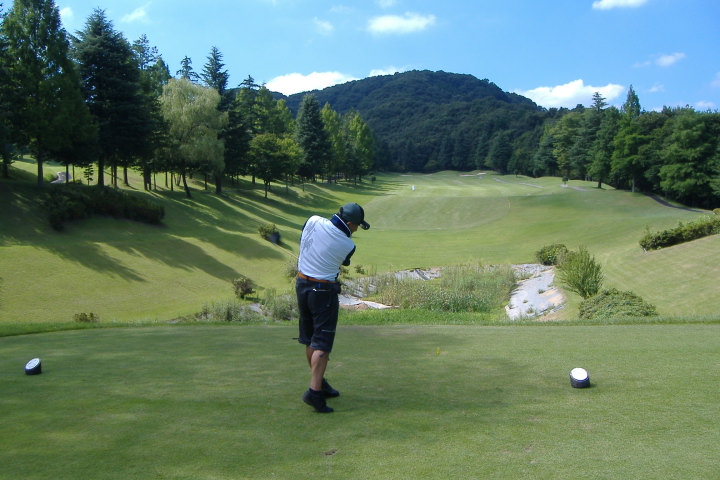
(325, 246)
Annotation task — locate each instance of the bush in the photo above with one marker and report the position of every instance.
(243, 286)
(71, 202)
(709, 225)
(280, 307)
(580, 273)
(230, 311)
(86, 318)
(267, 230)
(290, 269)
(612, 303)
(551, 254)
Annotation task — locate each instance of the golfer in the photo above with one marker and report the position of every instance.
(325, 245)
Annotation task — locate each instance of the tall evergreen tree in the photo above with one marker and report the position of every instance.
(153, 76)
(6, 147)
(186, 70)
(240, 129)
(601, 150)
(114, 93)
(213, 75)
(46, 103)
(312, 137)
(626, 165)
(631, 107)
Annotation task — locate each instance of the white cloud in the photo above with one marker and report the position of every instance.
(376, 72)
(702, 105)
(408, 23)
(571, 94)
(667, 60)
(137, 15)
(658, 87)
(323, 27)
(663, 60)
(609, 4)
(297, 82)
(66, 14)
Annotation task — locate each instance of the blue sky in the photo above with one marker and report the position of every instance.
(556, 52)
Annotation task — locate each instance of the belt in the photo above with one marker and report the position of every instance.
(303, 276)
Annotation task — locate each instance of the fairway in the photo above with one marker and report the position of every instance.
(223, 402)
(133, 273)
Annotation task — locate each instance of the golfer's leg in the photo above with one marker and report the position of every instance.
(318, 364)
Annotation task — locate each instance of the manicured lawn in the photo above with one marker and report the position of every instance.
(128, 272)
(223, 402)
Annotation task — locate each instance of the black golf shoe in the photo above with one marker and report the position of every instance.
(316, 400)
(329, 391)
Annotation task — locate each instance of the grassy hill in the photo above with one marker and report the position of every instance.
(129, 272)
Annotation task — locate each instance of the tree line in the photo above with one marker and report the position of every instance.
(674, 152)
(430, 121)
(95, 102)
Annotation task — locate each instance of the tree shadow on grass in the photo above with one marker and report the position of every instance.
(228, 222)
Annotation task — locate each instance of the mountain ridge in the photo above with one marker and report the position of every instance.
(429, 121)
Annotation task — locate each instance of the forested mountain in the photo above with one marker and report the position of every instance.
(427, 121)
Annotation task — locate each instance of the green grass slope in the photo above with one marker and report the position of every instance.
(128, 272)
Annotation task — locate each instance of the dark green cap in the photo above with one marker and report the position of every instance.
(352, 212)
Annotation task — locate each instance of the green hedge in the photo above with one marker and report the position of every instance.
(702, 227)
(65, 203)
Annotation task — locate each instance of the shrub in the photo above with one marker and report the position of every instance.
(613, 303)
(229, 311)
(702, 227)
(243, 286)
(70, 202)
(290, 269)
(86, 317)
(281, 307)
(580, 273)
(267, 230)
(551, 254)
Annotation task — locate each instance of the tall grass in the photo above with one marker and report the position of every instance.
(463, 288)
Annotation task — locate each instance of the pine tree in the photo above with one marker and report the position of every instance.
(113, 92)
(312, 137)
(213, 75)
(46, 103)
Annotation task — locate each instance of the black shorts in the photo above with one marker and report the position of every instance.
(318, 304)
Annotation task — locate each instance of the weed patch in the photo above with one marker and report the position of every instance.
(469, 288)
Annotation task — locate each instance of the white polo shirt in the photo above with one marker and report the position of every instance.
(324, 247)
